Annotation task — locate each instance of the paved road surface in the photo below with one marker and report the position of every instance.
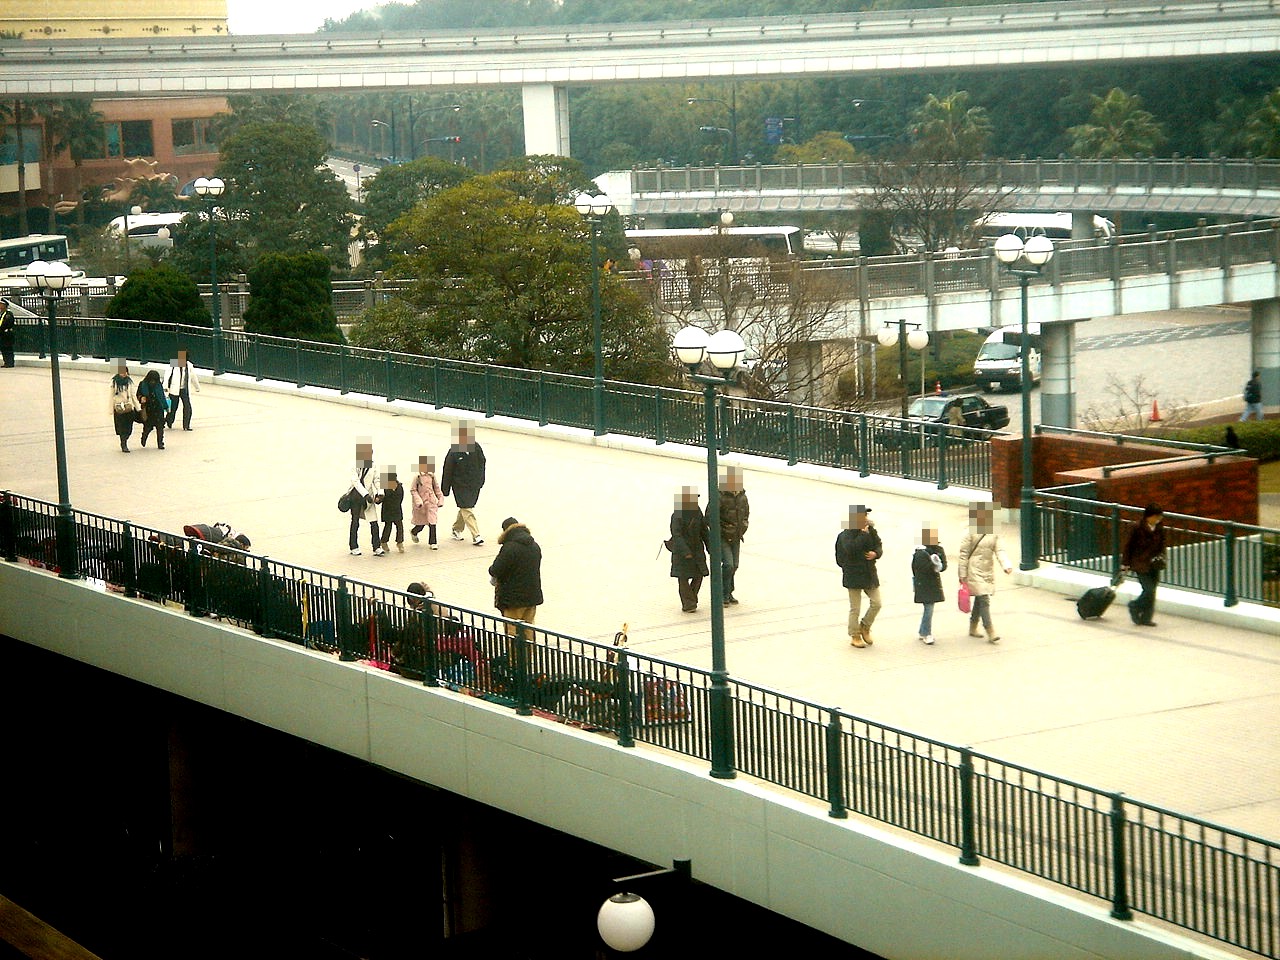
(1182, 715)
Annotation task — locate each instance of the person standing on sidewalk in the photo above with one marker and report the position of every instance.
(365, 499)
(463, 476)
(980, 552)
(1253, 398)
(124, 404)
(8, 333)
(178, 383)
(858, 547)
(1144, 555)
(927, 564)
(516, 574)
(392, 510)
(154, 407)
(427, 499)
(689, 543)
(735, 515)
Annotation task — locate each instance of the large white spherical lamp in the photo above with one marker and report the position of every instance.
(690, 345)
(1008, 247)
(725, 350)
(1038, 250)
(625, 922)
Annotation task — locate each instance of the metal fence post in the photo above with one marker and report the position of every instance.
(430, 660)
(942, 458)
(1230, 597)
(390, 391)
(435, 383)
(622, 693)
(520, 667)
(297, 363)
(488, 393)
(342, 370)
(1116, 561)
(793, 456)
(8, 528)
(659, 421)
(864, 443)
(968, 843)
(1119, 861)
(262, 622)
(344, 625)
(542, 398)
(257, 356)
(194, 593)
(726, 425)
(835, 768)
(130, 573)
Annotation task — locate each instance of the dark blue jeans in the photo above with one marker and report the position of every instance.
(729, 554)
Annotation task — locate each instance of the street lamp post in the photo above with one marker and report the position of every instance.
(133, 210)
(724, 282)
(413, 121)
(210, 190)
(730, 105)
(593, 210)
(1034, 254)
(725, 350)
(896, 332)
(51, 278)
(389, 126)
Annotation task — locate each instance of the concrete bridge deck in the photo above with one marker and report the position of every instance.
(1179, 716)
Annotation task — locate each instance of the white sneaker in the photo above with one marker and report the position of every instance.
(455, 534)
(928, 639)
(478, 541)
(414, 536)
(355, 553)
(435, 546)
(379, 552)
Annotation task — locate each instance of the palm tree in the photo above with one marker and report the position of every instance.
(1262, 129)
(17, 114)
(75, 126)
(948, 129)
(1118, 127)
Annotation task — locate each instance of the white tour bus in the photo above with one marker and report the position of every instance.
(730, 243)
(144, 228)
(1055, 226)
(17, 253)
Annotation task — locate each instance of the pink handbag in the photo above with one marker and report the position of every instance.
(963, 600)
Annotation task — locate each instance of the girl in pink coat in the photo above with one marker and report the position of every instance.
(427, 498)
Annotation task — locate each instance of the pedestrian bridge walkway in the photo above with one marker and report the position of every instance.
(1170, 717)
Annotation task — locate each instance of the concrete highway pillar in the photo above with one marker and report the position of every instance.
(1058, 374)
(546, 119)
(1265, 351)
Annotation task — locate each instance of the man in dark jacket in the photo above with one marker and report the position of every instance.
(516, 573)
(735, 514)
(858, 548)
(1144, 555)
(463, 476)
(8, 333)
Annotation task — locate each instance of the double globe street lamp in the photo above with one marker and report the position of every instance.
(593, 210)
(1025, 260)
(209, 190)
(725, 350)
(51, 278)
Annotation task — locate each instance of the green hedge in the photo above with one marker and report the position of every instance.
(1260, 439)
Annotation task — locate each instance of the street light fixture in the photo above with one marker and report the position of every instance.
(896, 333)
(725, 350)
(593, 210)
(732, 106)
(1034, 254)
(133, 210)
(413, 123)
(389, 126)
(209, 190)
(51, 278)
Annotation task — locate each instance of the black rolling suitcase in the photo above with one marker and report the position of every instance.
(1094, 603)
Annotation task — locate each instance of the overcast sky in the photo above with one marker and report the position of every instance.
(288, 16)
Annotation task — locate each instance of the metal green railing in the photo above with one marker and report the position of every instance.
(1131, 855)
(1235, 561)
(837, 438)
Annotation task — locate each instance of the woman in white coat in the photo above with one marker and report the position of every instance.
(366, 494)
(980, 554)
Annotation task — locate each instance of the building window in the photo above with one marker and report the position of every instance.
(128, 138)
(194, 136)
(30, 144)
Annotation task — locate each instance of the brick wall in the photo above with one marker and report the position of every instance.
(1226, 489)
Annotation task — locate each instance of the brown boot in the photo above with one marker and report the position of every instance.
(992, 637)
(864, 631)
(973, 629)
(857, 641)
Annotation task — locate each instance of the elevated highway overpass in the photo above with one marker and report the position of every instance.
(545, 63)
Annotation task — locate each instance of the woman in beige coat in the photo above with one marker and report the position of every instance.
(980, 553)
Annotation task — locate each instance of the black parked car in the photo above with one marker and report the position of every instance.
(933, 413)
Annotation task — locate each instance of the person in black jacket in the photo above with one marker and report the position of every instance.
(735, 516)
(927, 564)
(155, 405)
(858, 548)
(8, 333)
(1144, 555)
(516, 573)
(689, 543)
(463, 476)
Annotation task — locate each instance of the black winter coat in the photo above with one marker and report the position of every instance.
(735, 515)
(463, 474)
(518, 569)
(851, 549)
(925, 580)
(690, 540)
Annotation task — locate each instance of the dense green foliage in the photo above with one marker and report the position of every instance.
(1258, 438)
(291, 296)
(501, 273)
(162, 294)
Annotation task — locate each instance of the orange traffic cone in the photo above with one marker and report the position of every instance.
(1155, 412)
(937, 386)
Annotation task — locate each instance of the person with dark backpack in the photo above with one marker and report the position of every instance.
(1253, 398)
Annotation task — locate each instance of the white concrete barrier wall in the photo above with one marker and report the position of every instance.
(899, 898)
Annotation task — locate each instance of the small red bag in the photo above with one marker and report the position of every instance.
(963, 600)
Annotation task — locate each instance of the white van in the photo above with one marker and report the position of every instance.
(999, 360)
(144, 228)
(1055, 226)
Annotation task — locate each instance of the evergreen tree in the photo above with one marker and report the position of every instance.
(291, 295)
(161, 294)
